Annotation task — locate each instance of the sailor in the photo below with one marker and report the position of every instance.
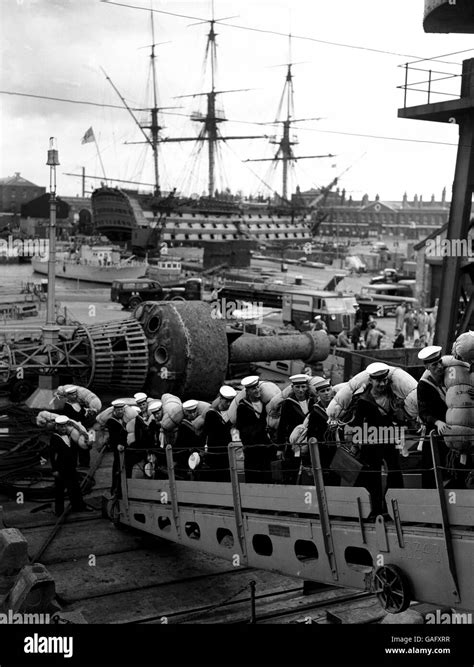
(294, 408)
(252, 424)
(156, 444)
(139, 434)
(377, 409)
(317, 427)
(82, 405)
(431, 395)
(114, 419)
(63, 456)
(217, 431)
(189, 438)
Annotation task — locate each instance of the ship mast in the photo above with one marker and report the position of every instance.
(155, 128)
(210, 121)
(285, 145)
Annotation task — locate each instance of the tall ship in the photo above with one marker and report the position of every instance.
(147, 220)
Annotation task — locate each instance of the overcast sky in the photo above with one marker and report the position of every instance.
(56, 48)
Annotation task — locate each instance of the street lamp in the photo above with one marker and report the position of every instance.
(52, 162)
(47, 384)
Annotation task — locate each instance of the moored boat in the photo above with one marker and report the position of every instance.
(97, 264)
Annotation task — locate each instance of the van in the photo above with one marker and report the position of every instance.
(132, 292)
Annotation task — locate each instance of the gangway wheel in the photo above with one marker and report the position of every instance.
(391, 588)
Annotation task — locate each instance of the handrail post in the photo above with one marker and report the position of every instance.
(429, 85)
(173, 489)
(323, 505)
(406, 85)
(444, 516)
(234, 478)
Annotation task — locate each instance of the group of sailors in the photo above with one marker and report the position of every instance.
(271, 454)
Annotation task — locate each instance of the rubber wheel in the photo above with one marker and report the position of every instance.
(134, 302)
(392, 588)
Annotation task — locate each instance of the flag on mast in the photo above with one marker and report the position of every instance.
(88, 137)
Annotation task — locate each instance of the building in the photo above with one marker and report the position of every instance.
(35, 215)
(16, 191)
(347, 219)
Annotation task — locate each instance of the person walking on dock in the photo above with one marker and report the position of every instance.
(63, 456)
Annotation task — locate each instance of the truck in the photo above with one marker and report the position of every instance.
(336, 310)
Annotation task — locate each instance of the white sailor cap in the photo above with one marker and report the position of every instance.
(227, 392)
(320, 383)
(118, 403)
(378, 370)
(430, 354)
(190, 405)
(61, 419)
(250, 381)
(71, 389)
(140, 397)
(155, 406)
(300, 378)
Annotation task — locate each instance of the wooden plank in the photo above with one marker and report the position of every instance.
(342, 501)
(460, 504)
(272, 497)
(166, 562)
(164, 601)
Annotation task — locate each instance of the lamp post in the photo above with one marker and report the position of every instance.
(53, 162)
(41, 397)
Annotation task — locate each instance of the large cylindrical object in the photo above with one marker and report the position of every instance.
(449, 16)
(308, 346)
(118, 355)
(189, 350)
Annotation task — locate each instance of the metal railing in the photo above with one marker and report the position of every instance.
(424, 85)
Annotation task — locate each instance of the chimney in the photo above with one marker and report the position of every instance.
(365, 200)
(415, 200)
(432, 199)
(443, 196)
(405, 200)
(17, 174)
(421, 201)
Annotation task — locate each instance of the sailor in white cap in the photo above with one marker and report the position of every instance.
(431, 396)
(141, 433)
(63, 455)
(376, 415)
(323, 390)
(251, 423)
(82, 405)
(294, 408)
(217, 431)
(189, 437)
(114, 420)
(316, 425)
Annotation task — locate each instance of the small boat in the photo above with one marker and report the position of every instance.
(96, 264)
(165, 269)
